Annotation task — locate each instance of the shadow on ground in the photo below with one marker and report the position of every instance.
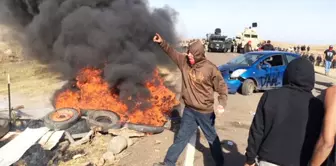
(231, 154)
(326, 84)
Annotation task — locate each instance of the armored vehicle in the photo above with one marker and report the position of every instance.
(249, 34)
(216, 43)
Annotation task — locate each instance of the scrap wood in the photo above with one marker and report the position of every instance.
(69, 137)
(13, 151)
(50, 139)
(80, 135)
(10, 136)
(85, 139)
(18, 107)
(14, 108)
(79, 155)
(126, 132)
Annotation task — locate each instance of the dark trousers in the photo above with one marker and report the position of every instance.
(190, 121)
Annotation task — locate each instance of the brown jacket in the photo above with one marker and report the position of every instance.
(247, 48)
(200, 80)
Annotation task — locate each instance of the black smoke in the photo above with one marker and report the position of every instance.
(115, 35)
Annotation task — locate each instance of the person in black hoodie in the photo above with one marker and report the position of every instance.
(268, 46)
(287, 122)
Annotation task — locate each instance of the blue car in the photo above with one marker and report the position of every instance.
(256, 71)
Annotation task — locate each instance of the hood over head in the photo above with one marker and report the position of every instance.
(300, 74)
(197, 50)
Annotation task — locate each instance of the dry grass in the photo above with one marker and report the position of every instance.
(28, 78)
(93, 152)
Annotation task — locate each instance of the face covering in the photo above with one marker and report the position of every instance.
(191, 61)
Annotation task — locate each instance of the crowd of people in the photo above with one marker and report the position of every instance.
(291, 126)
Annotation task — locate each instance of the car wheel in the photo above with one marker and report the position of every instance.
(248, 87)
(61, 119)
(104, 119)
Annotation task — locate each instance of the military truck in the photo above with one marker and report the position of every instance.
(218, 43)
(249, 34)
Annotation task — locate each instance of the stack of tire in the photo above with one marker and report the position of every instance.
(66, 118)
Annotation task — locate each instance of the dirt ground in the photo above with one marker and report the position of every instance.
(231, 126)
(33, 87)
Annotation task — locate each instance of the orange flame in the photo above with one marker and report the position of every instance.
(95, 94)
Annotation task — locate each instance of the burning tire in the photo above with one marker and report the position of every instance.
(104, 119)
(61, 119)
(145, 128)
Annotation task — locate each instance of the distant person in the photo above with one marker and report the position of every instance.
(318, 60)
(201, 79)
(268, 46)
(329, 55)
(308, 48)
(261, 45)
(287, 122)
(294, 49)
(312, 58)
(333, 64)
(324, 152)
(298, 48)
(248, 47)
(239, 48)
(303, 48)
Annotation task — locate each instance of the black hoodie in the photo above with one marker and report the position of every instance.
(287, 122)
(267, 47)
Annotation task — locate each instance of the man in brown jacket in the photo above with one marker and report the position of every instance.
(200, 78)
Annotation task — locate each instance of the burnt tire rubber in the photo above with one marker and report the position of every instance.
(145, 128)
(104, 119)
(248, 87)
(52, 123)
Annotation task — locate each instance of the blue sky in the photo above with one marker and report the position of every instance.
(294, 21)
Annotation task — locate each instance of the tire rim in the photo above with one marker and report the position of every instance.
(251, 88)
(61, 115)
(104, 119)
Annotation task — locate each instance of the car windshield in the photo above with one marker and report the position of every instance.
(245, 59)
